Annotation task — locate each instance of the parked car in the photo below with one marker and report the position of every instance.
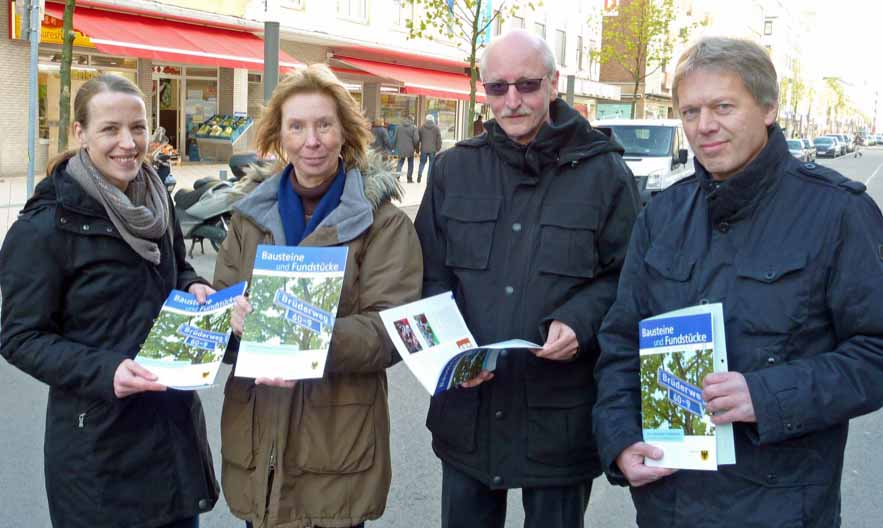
(796, 148)
(841, 146)
(810, 148)
(656, 150)
(827, 147)
(848, 141)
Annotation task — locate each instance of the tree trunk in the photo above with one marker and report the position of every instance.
(65, 73)
(470, 112)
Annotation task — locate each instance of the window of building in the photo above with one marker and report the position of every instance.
(402, 11)
(579, 52)
(498, 25)
(768, 27)
(540, 30)
(560, 46)
(518, 22)
(352, 9)
(292, 4)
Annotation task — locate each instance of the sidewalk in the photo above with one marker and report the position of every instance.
(13, 189)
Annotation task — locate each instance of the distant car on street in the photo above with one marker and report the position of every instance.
(827, 147)
(796, 148)
(810, 148)
(848, 141)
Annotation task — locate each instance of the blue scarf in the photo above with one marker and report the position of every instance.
(291, 208)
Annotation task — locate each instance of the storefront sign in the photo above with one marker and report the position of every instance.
(52, 32)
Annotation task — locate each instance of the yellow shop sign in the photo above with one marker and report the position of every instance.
(51, 32)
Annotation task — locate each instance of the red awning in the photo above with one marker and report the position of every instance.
(419, 81)
(169, 41)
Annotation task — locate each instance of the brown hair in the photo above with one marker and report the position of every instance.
(317, 78)
(92, 87)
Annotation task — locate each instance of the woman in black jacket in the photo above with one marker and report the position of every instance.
(83, 271)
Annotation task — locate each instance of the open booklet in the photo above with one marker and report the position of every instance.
(294, 295)
(187, 341)
(434, 342)
(678, 349)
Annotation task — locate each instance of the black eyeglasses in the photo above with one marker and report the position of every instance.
(525, 86)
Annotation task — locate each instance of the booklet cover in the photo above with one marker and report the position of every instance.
(294, 295)
(434, 342)
(677, 351)
(187, 342)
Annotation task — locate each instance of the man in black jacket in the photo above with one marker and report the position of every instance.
(794, 252)
(528, 225)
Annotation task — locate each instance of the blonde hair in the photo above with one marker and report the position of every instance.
(317, 78)
(91, 88)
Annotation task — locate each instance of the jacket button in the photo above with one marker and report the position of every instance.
(704, 301)
(504, 353)
(108, 229)
(204, 505)
(509, 290)
(86, 227)
(789, 426)
(772, 478)
(499, 415)
(770, 275)
(516, 227)
(723, 227)
(771, 361)
(63, 220)
(498, 480)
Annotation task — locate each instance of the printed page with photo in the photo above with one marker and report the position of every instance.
(187, 341)
(294, 296)
(436, 345)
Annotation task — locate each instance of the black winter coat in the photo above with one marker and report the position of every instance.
(524, 236)
(77, 301)
(793, 252)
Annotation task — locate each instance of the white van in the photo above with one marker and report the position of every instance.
(656, 150)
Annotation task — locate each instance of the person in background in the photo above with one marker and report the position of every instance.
(430, 145)
(406, 140)
(794, 252)
(528, 225)
(84, 271)
(477, 126)
(316, 452)
(381, 143)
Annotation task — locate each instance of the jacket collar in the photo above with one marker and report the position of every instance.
(569, 138)
(362, 195)
(735, 197)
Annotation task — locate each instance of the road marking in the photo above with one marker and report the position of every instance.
(868, 183)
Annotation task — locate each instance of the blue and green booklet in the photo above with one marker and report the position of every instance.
(187, 341)
(678, 349)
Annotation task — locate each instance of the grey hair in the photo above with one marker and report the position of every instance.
(539, 46)
(745, 58)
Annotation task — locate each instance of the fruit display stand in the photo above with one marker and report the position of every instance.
(222, 136)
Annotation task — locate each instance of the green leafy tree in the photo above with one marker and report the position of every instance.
(836, 100)
(640, 38)
(464, 22)
(657, 411)
(67, 54)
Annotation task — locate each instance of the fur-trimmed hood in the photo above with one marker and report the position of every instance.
(363, 193)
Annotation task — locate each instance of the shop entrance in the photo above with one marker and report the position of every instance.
(182, 98)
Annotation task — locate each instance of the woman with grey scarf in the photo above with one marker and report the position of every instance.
(84, 271)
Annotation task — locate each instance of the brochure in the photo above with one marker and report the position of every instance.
(678, 349)
(294, 295)
(187, 342)
(434, 342)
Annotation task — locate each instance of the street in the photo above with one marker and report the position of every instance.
(416, 486)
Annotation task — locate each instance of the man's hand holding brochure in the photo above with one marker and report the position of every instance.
(434, 342)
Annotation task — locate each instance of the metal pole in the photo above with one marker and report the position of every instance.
(34, 14)
(571, 84)
(271, 58)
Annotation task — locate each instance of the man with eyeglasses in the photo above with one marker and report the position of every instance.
(528, 225)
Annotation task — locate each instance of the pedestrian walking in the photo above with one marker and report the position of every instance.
(528, 225)
(430, 145)
(406, 141)
(84, 271)
(381, 143)
(804, 314)
(316, 453)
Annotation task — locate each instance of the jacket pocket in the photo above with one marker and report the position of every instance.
(452, 419)
(336, 432)
(567, 239)
(669, 264)
(237, 423)
(559, 422)
(469, 225)
(772, 292)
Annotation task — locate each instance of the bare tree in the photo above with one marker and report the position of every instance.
(67, 52)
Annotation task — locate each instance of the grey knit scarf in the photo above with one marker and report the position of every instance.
(141, 214)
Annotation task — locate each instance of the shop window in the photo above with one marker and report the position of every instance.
(99, 61)
(352, 9)
(445, 113)
(395, 108)
(211, 73)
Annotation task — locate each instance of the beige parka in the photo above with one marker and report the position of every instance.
(326, 442)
